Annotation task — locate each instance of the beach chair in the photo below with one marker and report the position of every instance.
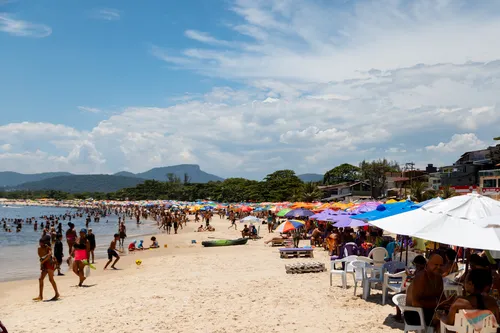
(469, 321)
(400, 302)
(347, 269)
(378, 255)
(392, 280)
(359, 269)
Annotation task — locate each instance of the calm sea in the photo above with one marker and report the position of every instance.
(18, 250)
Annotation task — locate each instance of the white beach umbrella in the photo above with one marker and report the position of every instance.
(250, 219)
(459, 220)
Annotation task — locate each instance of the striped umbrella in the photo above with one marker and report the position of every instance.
(289, 225)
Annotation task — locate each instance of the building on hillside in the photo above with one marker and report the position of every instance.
(489, 182)
(342, 191)
(465, 171)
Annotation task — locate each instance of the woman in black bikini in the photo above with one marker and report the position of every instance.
(477, 285)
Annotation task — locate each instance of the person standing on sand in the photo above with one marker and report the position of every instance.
(58, 253)
(46, 268)
(91, 239)
(71, 236)
(112, 252)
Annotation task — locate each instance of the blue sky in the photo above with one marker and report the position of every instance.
(244, 87)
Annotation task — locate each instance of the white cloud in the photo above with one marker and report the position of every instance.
(22, 28)
(6, 147)
(88, 109)
(458, 143)
(205, 37)
(108, 14)
(319, 86)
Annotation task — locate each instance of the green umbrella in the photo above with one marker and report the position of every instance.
(282, 212)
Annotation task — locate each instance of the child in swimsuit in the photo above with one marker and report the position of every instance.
(46, 268)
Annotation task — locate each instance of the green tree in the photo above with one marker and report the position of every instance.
(340, 174)
(311, 192)
(375, 173)
(447, 192)
(281, 185)
(418, 191)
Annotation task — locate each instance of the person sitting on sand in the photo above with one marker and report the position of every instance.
(201, 228)
(47, 268)
(210, 228)
(140, 246)
(253, 231)
(245, 232)
(131, 246)
(155, 244)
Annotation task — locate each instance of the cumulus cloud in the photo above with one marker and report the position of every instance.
(17, 27)
(319, 86)
(458, 143)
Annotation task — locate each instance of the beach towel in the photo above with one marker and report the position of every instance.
(476, 318)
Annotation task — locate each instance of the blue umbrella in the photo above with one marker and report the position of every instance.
(294, 213)
(387, 210)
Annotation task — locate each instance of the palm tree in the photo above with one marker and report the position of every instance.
(311, 192)
(447, 192)
(417, 191)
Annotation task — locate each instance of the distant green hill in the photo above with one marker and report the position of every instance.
(82, 183)
(9, 178)
(311, 177)
(195, 174)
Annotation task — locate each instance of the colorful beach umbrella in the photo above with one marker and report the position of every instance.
(289, 225)
(299, 213)
(282, 212)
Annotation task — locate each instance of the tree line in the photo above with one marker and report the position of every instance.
(279, 186)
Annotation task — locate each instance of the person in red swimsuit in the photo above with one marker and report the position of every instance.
(46, 268)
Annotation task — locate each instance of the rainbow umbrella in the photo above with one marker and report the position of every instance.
(289, 225)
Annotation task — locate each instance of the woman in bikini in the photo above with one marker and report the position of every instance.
(81, 250)
(71, 236)
(46, 268)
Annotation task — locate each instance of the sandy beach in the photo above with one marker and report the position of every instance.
(188, 288)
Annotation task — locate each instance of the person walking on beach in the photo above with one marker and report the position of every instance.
(46, 268)
(91, 239)
(71, 236)
(122, 230)
(112, 252)
(81, 250)
(58, 253)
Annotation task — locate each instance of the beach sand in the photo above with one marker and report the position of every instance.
(188, 288)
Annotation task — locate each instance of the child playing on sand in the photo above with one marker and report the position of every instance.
(131, 246)
(155, 244)
(112, 252)
(58, 253)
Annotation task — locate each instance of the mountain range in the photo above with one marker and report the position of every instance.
(67, 182)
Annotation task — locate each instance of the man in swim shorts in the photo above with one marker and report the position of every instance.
(112, 252)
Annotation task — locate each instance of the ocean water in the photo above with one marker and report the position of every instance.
(18, 250)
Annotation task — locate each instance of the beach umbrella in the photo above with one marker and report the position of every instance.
(461, 220)
(289, 225)
(250, 219)
(299, 213)
(282, 212)
(386, 210)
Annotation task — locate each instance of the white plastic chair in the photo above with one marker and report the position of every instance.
(378, 255)
(393, 281)
(411, 257)
(342, 272)
(450, 286)
(461, 324)
(359, 268)
(400, 302)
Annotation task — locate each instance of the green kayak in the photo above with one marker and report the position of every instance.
(225, 242)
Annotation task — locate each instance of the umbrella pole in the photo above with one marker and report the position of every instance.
(401, 248)
(406, 260)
